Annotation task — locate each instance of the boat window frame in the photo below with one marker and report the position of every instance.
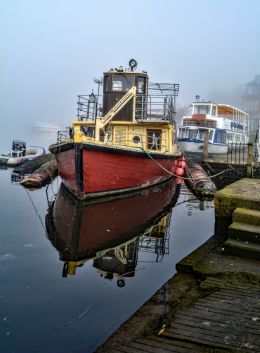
(140, 79)
(220, 132)
(158, 144)
(201, 111)
(126, 80)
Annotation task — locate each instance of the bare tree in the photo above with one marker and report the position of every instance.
(181, 111)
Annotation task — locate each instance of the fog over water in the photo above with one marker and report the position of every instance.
(52, 50)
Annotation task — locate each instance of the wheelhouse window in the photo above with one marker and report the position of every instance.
(154, 139)
(140, 85)
(121, 83)
(214, 110)
(117, 85)
(201, 109)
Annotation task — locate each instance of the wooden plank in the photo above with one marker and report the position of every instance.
(222, 307)
(220, 341)
(216, 332)
(237, 293)
(222, 284)
(202, 340)
(219, 317)
(215, 337)
(122, 348)
(186, 264)
(225, 306)
(235, 302)
(215, 262)
(144, 347)
(110, 349)
(169, 345)
(218, 326)
(239, 303)
(173, 345)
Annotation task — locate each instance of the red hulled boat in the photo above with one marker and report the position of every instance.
(130, 147)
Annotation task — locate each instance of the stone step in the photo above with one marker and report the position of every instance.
(246, 215)
(244, 232)
(242, 249)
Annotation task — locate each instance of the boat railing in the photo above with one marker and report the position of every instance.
(237, 153)
(203, 123)
(88, 107)
(156, 246)
(158, 104)
(64, 135)
(154, 108)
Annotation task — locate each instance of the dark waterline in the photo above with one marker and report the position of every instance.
(41, 311)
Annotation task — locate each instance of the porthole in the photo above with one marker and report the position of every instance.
(136, 139)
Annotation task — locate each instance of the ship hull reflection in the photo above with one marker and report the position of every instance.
(80, 231)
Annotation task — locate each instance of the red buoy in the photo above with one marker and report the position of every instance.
(181, 164)
(179, 171)
(178, 180)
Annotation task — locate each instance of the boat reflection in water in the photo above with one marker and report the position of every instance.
(111, 232)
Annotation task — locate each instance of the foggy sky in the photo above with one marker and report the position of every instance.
(52, 50)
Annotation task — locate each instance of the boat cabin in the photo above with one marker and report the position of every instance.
(203, 109)
(18, 148)
(133, 113)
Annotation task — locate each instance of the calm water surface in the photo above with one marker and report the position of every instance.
(71, 274)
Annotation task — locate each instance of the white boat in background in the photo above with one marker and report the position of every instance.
(20, 153)
(225, 125)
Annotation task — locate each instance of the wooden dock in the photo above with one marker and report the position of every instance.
(211, 305)
(241, 161)
(220, 312)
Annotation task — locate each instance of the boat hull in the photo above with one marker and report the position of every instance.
(91, 170)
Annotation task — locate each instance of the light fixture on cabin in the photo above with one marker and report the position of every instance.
(197, 97)
(133, 64)
(92, 98)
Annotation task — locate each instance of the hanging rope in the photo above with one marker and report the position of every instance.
(184, 178)
(36, 211)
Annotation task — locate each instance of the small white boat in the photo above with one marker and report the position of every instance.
(225, 124)
(20, 153)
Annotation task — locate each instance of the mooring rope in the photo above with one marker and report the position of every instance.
(36, 211)
(184, 178)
